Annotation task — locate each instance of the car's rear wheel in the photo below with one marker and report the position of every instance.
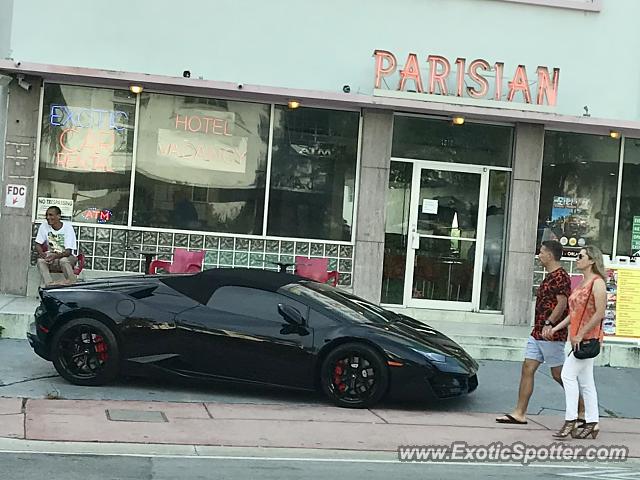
(354, 375)
(85, 352)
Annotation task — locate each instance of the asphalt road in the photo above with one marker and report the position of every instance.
(35, 466)
(23, 374)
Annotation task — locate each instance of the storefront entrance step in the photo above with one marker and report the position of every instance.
(15, 325)
(491, 339)
(494, 352)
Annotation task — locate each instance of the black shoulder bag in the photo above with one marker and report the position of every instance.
(588, 348)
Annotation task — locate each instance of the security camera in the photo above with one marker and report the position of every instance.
(17, 63)
(346, 89)
(240, 86)
(186, 74)
(23, 83)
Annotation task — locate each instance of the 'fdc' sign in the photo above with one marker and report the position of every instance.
(15, 196)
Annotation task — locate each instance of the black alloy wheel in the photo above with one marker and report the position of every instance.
(85, 352)
(354, 375)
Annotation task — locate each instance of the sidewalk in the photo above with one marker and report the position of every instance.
(279, 425)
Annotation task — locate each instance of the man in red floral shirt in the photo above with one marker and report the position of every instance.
(551, 308)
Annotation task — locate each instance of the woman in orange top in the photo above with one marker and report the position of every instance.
(587, 304)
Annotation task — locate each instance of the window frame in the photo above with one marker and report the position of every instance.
(252, 291)
(259, 236)
(620, 164)
(36, 174)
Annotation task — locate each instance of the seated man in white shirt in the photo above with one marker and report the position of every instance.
(55, 243)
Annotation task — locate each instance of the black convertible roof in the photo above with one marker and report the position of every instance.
(201, 286)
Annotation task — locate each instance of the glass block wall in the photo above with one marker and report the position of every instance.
(109, 249)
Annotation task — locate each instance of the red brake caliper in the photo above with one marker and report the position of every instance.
(101, 348)
(337, 377)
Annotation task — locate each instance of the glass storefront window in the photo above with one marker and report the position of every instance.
(494, 241)
(201, 164)
(313, 171)
(86, 150)
(578, 190)
(440, 140)
(396, 232)
(629, 220)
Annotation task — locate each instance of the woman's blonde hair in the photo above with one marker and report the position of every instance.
(595, 254)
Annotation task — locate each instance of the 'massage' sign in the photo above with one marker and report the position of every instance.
(475, 79)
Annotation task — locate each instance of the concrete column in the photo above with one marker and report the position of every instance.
(523, 223)
(18, 169)
(374, 178)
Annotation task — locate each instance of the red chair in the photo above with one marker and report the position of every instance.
(79, 257)
(80, 265)
(316, 269)
(184, 261)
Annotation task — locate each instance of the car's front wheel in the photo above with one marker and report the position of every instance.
(85, 352)
(354, 375)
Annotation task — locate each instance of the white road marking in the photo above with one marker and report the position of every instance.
(311, 459)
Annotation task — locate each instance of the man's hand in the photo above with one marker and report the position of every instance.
(547, 334)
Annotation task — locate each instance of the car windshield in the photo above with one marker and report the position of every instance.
(341, 302)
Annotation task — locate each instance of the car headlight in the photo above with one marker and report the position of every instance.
(434, 357)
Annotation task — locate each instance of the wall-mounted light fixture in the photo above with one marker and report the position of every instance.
(293, 104)
(614, 134)
(136, 89)
(457, 120)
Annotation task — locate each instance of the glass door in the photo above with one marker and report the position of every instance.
(446, 236)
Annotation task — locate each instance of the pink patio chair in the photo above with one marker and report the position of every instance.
(316, 269)
(184, 261)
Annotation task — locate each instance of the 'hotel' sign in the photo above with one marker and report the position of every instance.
(485, 81)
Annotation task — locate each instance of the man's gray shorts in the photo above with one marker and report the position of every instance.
(544, 351)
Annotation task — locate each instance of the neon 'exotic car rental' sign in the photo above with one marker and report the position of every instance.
(476, 79)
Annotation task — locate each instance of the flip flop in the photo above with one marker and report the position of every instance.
(510, 419)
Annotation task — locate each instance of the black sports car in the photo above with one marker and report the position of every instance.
(246, 325)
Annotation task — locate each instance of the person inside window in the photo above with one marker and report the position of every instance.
(185, 215)
(55, 243)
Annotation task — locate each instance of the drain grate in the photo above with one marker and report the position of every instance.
(135, 416)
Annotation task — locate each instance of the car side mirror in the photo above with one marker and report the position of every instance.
(290, 314)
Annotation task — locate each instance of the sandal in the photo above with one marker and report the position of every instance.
(567, 429)
(511, 420)
(590, 429)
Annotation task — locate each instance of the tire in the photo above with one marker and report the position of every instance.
(85, 352)
(345, 385)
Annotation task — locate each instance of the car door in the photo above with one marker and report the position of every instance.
(241, 334)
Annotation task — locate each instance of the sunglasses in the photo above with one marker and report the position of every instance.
(582, 255)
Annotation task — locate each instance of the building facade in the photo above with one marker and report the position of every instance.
(424, 148)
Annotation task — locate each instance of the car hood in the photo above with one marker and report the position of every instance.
(431, 339)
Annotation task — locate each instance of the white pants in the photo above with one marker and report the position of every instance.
(577, 378)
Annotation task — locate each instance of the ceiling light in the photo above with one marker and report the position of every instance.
(293, 104)
(457, 120)
(552, 164)
(614, 134)
(136, 89)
